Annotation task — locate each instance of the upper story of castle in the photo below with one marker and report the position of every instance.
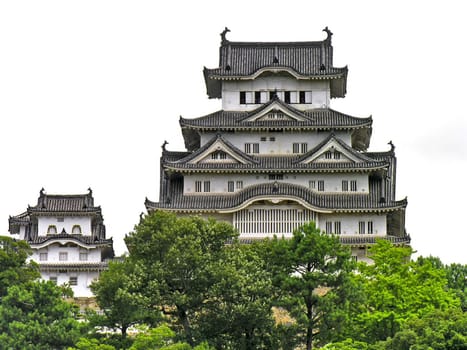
(300, 74)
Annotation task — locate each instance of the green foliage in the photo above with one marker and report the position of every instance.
(311, 271)
(397, 290)
(91, 344)
(237, 313)
(35, 316)
(176, 257)
(457, 281)
(14, 268)
(161, 338)
(117, 294)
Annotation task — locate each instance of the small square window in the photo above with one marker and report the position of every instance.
(83, 256)
(43, 256)
(63, 256)
(73, 281)
(53, 279)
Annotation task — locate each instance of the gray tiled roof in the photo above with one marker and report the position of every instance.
(73, 204)
(314, 119)
(308, 59)
(288, 163)
(88, 240)
(338, 202)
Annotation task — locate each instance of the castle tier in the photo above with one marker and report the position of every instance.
(277, 156)
(67, 236)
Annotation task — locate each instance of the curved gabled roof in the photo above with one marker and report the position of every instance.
(348, 202)
(303, 60)
(309, 120)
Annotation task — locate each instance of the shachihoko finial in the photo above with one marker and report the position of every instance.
(164, 144)
(392, 146)
(223, 34)
(328, 32)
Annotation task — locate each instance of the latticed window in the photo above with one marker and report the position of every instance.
(321, 185)
(207, 186)
(370, 227)
(345, 185)
(276, 176)
(83, 256)
(328, 226)
(53, 279)
(230, 186)
(337, 227)
(197, 186)
(353, 185)
(261, 222)
(312, 184)
(328, 155)
(63, 256)
(43, 256)
(361, 227)
(73, 281)
(239, 185)
(337, 155)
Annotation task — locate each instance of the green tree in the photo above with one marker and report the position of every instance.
(238, 311)
(35, 316)
(312, 270)
(396, 290)
(457, 281)
(117, 294)
(14, 267)
(175, 257)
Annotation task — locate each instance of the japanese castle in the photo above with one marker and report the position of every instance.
(277, 156)
(67, 236)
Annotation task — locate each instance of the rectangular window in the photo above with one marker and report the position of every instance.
(337, 155)
(276, 177)
(337, 227)
(207, 186)
(287, 96)
(370, 227)
(239, 185)
(83, 256)
(263, 138)
(60, 219)
(328, 227)
(293, 97)
(353, 185)
(251, 147)
(249, 97)
(312, 184)
(63, 256)
(257, 97)
(242, 97)
(53, 279)
(304, 147)
(230, 186)
(361, 227)
(272, 138)
(321, 185)
(197, 186)
(302, 96)
(295, 148)
(328, 155)
(43, 256)
(345, 185)
(73, 281)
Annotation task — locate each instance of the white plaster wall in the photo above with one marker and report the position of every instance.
(68, 223)
(283, 143)
(332, 182)
(84, 281)
(231, 91)
(349, 223)
(53, 252)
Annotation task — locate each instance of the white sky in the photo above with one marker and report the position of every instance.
(89, 90)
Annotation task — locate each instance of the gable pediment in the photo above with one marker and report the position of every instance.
(220, 153)
(276, 111)
(330, 152)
